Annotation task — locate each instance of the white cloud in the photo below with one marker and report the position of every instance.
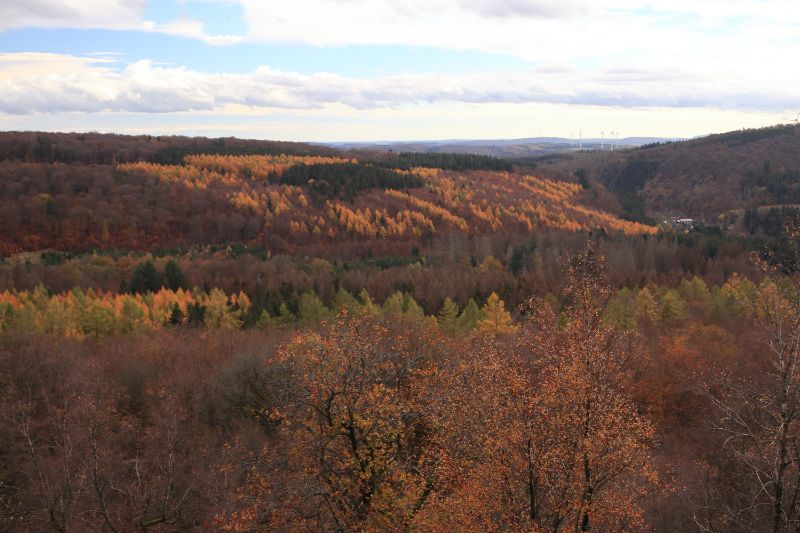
(753, 39)
(531, 29)
(688, 56)
(746, 49)
(43, 83)
(102, 14)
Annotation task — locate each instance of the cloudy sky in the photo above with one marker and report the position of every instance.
(340, 70)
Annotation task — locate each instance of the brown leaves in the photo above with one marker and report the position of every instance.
(351, 428)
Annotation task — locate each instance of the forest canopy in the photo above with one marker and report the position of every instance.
(251, 336)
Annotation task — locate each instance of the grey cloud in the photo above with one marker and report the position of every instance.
(524, 8)
(15, 10)
(111, 14)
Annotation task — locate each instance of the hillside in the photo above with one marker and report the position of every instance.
(714, 178)
(67, 196)
(106, 149)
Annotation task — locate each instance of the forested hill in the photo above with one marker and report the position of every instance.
(73, 192)
(716, 177)
(107, 149)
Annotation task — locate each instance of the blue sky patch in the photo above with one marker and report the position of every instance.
(355, 61)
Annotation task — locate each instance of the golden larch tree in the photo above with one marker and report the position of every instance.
(497, 321)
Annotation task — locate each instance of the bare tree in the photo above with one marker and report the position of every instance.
(758, 410)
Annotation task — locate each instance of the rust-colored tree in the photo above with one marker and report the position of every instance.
(349, 431)
(546, 436)
(594, 446)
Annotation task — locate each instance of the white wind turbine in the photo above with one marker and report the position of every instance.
(795, 120)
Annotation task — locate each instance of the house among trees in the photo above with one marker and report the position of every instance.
(680, 223)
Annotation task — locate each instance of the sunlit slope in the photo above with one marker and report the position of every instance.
(284, 202)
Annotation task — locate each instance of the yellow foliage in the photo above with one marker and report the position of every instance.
(497, 321)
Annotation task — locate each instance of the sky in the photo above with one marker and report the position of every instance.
(382, 70)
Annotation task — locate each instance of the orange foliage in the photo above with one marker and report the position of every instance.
(256, 166)
(214, 198)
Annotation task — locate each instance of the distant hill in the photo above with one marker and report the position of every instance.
(513, 148)
(102, 148)
(715, 178)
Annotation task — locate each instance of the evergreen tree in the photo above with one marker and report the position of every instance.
(695, 290)
(469, 316)
(519, 259)
(196, 313)
(219, 314)
(368, 307)
(393, 305)
(26, 319)
(132, 317)
(411, 308)
(174, 278)
(623, 310)
(311, 310)
(266, 321)
(448, 318)
(145, 278)
(497, 321)
(176, 316)
(344, 300)
(648, 306)
(285, 315)
(59, 317)
(673, 307)
(96, 320)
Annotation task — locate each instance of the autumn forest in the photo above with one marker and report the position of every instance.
(233, 335)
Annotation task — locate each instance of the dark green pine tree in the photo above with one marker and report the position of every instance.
(173, 276)
(196, 314)
(176, 316)
(145, 278)
(518, 259)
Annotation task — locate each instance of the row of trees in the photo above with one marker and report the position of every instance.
(91, 314)
(448, 161)
(458, 267)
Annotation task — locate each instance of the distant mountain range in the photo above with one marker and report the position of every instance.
(531, 146)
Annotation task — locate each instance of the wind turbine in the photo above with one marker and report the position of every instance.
(795, 120)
